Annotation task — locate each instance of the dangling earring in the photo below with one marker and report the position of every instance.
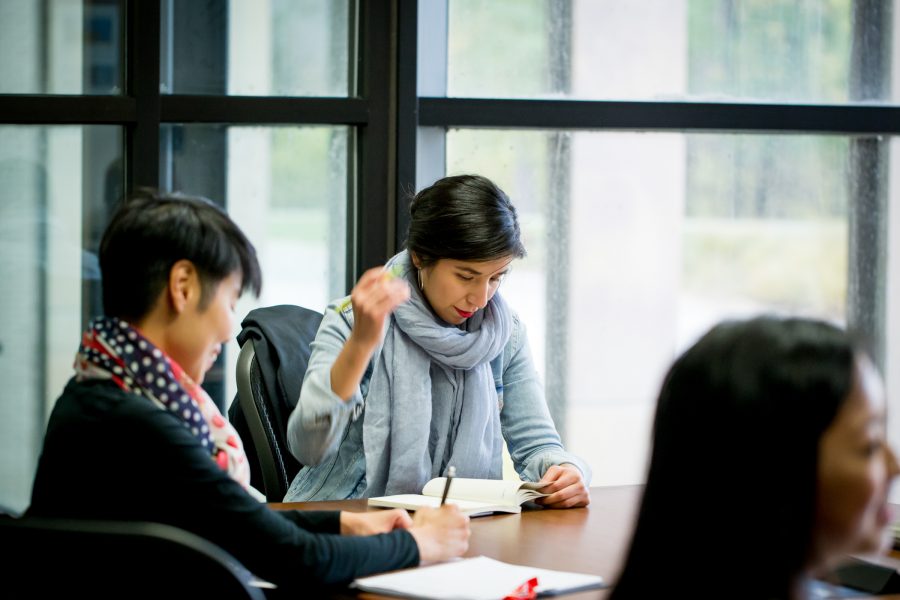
(419, 277)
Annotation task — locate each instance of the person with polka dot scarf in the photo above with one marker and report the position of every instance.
(115, 351)
(135, 437)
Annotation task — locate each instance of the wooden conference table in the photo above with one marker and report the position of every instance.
(586, 540)
(589, 540)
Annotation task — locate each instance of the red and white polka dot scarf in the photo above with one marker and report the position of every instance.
(111, 349)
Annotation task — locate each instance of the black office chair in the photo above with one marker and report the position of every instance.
(274, 355)
(871, 575)
(116, 559)
(275, 463)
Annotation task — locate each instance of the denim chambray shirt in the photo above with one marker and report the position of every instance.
(325, 432)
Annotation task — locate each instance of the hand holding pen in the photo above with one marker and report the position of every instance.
(451, 473)
(387, 274)
(441, 533)
(375, 296)
(377, 293)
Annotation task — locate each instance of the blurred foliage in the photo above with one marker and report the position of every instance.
(308, 224)
(498, 48)
(796, 266)
(517, 160)
(309, 166)
(766, 215)
(766, 176)
(310, 47)
(501, 48)
(769, 50)
(309, 57)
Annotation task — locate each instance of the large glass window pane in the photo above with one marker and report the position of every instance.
(638, 243)
(256, 48)
(59, 186)
(830, 52)
(287, 189)
(61, 47)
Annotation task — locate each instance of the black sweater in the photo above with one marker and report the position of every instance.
(109, 454)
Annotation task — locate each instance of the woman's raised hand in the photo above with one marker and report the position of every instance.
(375, 296)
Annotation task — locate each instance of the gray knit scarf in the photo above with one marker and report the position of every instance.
(432, 402)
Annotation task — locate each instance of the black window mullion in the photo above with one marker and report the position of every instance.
(263, 110)
(22, 109)
(354, 61)
(376, 148)
(407, 114)
(432, 56)
(142, 84)
(659, 116)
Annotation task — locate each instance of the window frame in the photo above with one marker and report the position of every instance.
(143, 109)
(431, 113)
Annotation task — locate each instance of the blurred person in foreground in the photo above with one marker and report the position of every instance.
(769, 464)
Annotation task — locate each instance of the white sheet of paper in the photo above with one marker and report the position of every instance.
(479, 578)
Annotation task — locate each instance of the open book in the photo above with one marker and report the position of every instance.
(473, 496)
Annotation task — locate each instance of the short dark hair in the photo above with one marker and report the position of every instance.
(735, 451)
(463, 217)
(150, 232)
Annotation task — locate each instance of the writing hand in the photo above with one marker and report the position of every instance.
(440, 533)
(371, 523)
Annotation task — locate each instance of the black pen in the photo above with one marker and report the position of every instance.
(451, 473)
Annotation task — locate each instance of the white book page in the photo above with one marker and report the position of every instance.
(415, 501)
(478, 578)
(492, 491)
(529, 490)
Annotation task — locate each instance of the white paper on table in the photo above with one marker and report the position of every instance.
(479, 578)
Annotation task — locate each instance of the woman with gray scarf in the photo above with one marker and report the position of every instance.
(426, 366)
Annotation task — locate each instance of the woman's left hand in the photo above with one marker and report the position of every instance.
(370, 523)
(566, 489)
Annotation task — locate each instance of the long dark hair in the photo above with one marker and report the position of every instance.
(729, 505)
(463, 217)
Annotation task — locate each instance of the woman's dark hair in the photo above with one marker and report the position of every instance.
(464, 217)
(729, 505)
(150, 232)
